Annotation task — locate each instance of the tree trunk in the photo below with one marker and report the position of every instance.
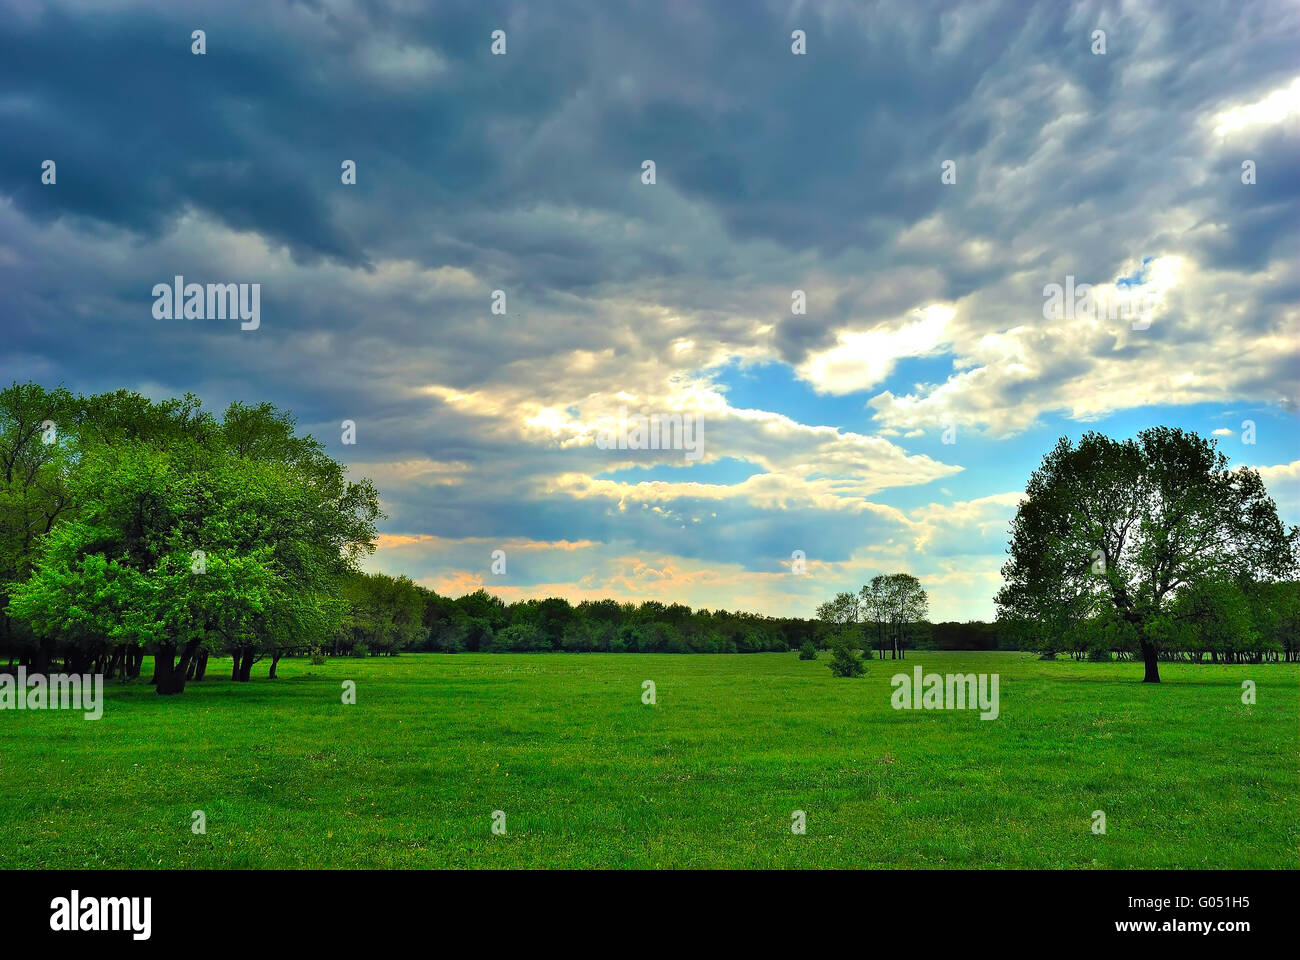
(171, 674)
(246, 666)
(274, 661)
(1152, 663)
(202, 661)
(164, 666)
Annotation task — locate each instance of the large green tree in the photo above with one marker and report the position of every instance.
(1114, 529)
(45, 436)
(231, 536)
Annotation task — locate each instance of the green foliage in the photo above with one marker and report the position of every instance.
(889, 613)
(808, 651)
(604, 626)
(970, 635)
(1275, 616)
(894, 607)
(1210, 617)
(1119, 530)
(846, 660)
(481, 605)
(384, 613)
(520, 638)
(179, 531)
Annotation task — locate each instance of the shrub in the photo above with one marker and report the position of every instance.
(808, 651)
(846, 661)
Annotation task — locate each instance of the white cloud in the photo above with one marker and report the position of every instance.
(1283, 483)
(1277, 107)
(863, 358)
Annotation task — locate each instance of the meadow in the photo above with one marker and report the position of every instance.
(288, 776)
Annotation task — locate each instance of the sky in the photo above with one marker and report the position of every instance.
(838, 276)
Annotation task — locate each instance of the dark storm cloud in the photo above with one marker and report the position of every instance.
(836, 150)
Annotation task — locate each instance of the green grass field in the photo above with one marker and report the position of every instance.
(588, 776)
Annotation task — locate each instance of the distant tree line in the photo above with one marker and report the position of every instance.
(971, 635)
(389, 614)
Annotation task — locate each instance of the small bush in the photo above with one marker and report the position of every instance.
(846, 661)
(808, 651)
